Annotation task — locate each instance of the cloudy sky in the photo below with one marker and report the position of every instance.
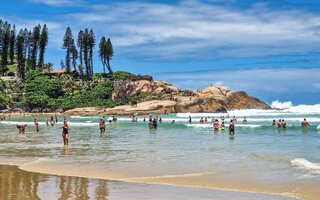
(271, 49)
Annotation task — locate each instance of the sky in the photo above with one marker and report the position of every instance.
(270, 49)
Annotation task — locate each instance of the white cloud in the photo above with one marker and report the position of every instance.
(270, 82)
(59, 2)
(194, 28)
(191, 29)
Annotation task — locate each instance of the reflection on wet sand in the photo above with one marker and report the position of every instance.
(18, 184)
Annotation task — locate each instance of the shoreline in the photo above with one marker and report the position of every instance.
(209, 191)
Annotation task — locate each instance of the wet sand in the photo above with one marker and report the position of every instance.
(19, 184)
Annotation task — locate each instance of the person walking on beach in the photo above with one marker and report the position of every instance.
(231, 127)
(65, 132)
(102, 125)
(305, 123)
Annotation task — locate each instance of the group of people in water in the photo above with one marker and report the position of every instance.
(153, 124)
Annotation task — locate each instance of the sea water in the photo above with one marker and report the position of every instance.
(258, 158)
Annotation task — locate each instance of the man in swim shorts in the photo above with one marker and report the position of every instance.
(102, 125)
(231, 127)
(305, 123)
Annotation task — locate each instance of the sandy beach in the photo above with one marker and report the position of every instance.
(18, 184)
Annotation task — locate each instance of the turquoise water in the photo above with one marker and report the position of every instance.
(258, 158)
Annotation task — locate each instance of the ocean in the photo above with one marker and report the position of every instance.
(259, 158)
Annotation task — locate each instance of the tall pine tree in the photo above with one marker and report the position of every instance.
(5, 37)
(20, 49)
(68, 43)
(12, 43)
(109, 54)
(35, 46)
(42, 45)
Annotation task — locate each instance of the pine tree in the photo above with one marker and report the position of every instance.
(68, 43)
(85, 53)
(1, 30)
(92, 42)
(5, 46)
(20, 46)
(74, 55)
(29, 49)
(42, 45)
(35, 46)
(109, 54)
(80, 46)
(102, 53)
(12, 43)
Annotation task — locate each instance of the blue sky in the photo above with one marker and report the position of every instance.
(271, 49)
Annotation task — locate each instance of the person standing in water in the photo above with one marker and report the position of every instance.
(244, 120)
(47, 121)
(190, 120)
(305, 123)
(216, 125)
(102, 125)
(51, 121)
(21, 127)
(55, 116)
(36, 124)
(231, 127)
(65, 132)
(222, 126)
(284, 124)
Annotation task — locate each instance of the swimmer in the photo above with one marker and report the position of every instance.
(305, 123)
(216, 125)
(150, 123)
(190, 120)
(173, 121)
(284, 124)
(231, 127)
(36, 124)
(47, 121)
(65, 132)
(155, 123)
(222, 126)
(21, 127)
(279, 123)
(244, 120)
(201, 120)
(102, 125)
(160, 120)
(274, 122)
(51, 121)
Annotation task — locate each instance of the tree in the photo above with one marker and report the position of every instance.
(80, 46)
(35, 46)
(102, 53)
(29, 49)
(42, 45)
(20, 44)
(85, 52)
(109, 54)
(92, 42)
(12, 43)
(74, 55)
(68, 44)
(5, 37)
(62, 65)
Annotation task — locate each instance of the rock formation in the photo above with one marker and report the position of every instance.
(159, 97)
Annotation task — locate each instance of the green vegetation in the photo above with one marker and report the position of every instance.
(42, 92)
(37, 87)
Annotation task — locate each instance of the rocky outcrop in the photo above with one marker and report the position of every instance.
(159, 97)
(84, 111)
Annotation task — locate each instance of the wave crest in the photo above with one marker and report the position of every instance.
(305, 164)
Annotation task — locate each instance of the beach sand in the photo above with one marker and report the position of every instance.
(18, 184)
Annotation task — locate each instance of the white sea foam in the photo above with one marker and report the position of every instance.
(318, 127)
(305, 164)
(281, 105)
(210, 125)
(84, 117)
